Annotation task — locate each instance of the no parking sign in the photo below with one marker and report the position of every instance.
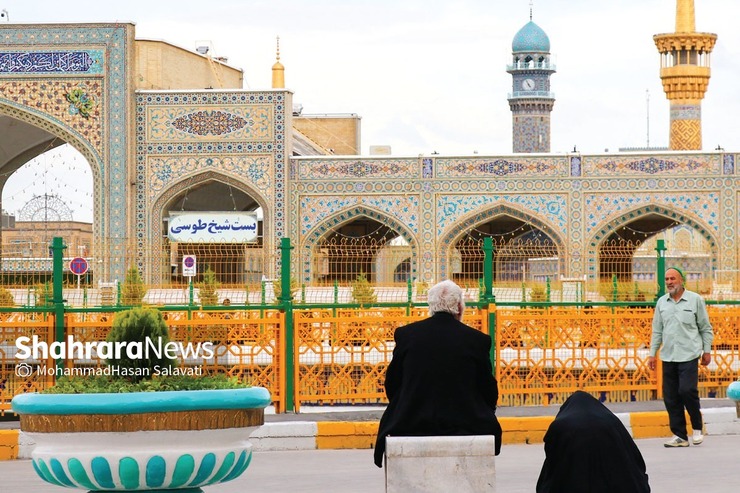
(78, 265)
(188, 265)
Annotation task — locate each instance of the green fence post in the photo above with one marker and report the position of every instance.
(57, 248)
(547, 289)
(409, 296)
(660, 248)
(488, 296)
(614, 287)
(488, 269)
(286, 302)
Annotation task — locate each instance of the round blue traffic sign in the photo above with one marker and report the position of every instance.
(78, 265)
(188, 261)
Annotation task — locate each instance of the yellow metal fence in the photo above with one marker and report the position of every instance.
(543, 354)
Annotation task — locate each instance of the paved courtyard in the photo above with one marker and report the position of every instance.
(711, 467)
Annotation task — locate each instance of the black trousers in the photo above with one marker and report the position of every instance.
(681, 391)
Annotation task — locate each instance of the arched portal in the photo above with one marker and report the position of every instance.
(217, 202)
(41, 210)
(626, 246)
(359, 241)
(73, 83)
(525, 248)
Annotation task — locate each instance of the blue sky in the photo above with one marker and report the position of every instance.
(429, 75)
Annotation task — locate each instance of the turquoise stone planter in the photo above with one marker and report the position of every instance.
(733, 392)
(149, 441)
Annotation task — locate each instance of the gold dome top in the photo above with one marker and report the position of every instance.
(278, 71)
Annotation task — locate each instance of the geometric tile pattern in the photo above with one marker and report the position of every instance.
(40, 65)
(519, 166)
(452, 208)
(685, 135)
(605, 207)
(574, 199)
(170, 123)
(626, 165)
(255, 170)
(185, 138)
(314, 209)
(48, 98)
(337, 169)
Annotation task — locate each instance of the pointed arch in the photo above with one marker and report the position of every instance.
(157, 210)
(613, 225)
(60, 133)
(313, 237)
(466, 223)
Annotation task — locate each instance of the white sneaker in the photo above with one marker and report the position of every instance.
(676, 442)
(697, 437)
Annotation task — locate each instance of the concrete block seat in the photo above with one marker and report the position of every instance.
(429, 464)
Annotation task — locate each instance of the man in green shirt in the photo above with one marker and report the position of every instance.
(682, 332)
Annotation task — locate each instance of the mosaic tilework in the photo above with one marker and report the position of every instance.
(309, 242)
(452, 208)
(109, 46)
(48, 99)
(166, 170)
(499, 167)
(215, 140)
(575, 166)
(603, 208)
(685, 135)
(459, 228)
(427, 169)
(355, 168)
(685, 111)
(90, 62)
(315, 209)
(170, 123)
(531, 133)
(621, 165)
(728, 164)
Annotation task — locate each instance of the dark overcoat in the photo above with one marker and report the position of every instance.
(439, 382)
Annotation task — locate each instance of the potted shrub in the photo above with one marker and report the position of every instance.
(145, 426)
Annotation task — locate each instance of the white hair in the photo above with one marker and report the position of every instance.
(446, 296)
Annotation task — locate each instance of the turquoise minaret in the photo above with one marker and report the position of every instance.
(531, 101)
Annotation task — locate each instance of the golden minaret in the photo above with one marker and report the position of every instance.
(278, 71)
(685, 72)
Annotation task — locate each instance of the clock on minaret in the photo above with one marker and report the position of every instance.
(531, 100)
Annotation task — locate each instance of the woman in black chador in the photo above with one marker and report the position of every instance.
(588, 450)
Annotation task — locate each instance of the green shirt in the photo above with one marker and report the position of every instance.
(681, 327)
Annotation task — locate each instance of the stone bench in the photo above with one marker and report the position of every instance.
(463, 464)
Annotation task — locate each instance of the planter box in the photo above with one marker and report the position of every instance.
(143, 441)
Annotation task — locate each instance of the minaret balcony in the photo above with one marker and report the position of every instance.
(532, 65)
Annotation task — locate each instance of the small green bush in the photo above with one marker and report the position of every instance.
(208, 294)
(362, 291)
(6, 297)
(132, 290)
(140, 325)
(537, 293)
(43, 294)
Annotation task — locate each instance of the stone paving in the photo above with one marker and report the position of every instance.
(710, 467)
